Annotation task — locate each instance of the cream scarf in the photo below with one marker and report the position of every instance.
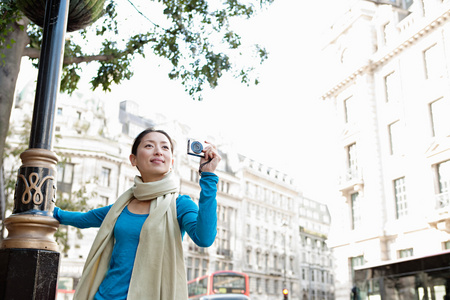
(159, 271)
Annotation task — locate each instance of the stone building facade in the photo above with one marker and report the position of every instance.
(390, 91)
(266, 228)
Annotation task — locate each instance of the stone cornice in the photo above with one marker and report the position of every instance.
(378, 60)
(91, 153)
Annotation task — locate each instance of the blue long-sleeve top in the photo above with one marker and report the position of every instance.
(200, 222)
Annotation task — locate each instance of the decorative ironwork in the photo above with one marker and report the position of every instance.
(32, 226)
(33, 180)
(442, 200)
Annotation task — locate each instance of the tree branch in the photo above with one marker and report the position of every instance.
(68, 60)
(87, 59)
(35, 53)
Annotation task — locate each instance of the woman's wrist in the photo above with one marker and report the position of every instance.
(56, 213)
(207, 173)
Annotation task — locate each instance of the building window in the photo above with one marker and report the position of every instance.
(407, 3)
(405, 253)
(196, 268)
(204, 266)
(189, 269)
(258, 285)
(219, 212)
(401, 204)
(434, 68)
(65, 172)
(440, 123)
(59, 111)
(194, 176)
(350, 110)
(104, 200)
(248, 257)
(65, 177)
(251, 189)
(396, 138)
(291, 264)
(222, 242)
(446, 245)
(258, 259)
(223, 186)
(105, 176)
(385, 33)
(352, 162)
(356, 210)
(266, 261)
(444, 176)
(443, 173)
(356, 261)
(391, 83)
(66, 284)
(225, 212)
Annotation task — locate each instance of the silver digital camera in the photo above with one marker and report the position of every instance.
(195, 148)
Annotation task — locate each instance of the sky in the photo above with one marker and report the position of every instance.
(282, 122)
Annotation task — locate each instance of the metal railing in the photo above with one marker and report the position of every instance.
(442, 200)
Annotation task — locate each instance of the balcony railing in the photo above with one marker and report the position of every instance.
(224, 252)
(443, 200)
(350, 178)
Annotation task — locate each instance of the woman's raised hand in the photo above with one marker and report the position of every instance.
(211, 159)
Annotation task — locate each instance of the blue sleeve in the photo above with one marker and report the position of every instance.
(92, 218)
(200, 222)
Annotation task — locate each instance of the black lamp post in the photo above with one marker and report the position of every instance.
(28, 256)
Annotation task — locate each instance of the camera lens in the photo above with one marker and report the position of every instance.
(196, 147)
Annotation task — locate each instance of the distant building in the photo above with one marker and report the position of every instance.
(266, 228)
(389, 83)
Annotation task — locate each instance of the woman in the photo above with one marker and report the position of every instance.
(137, 253)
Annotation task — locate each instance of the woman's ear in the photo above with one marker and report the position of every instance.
(133, 160)
(171, 166)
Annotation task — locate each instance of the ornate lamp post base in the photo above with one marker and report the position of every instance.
(39, 282)
(31, 232)
(31, 226)
(29, 258)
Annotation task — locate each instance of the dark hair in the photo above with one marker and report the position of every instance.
(141, 135)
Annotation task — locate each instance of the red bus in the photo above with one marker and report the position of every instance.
(219, 282)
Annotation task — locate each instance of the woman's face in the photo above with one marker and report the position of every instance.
(153, 157)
